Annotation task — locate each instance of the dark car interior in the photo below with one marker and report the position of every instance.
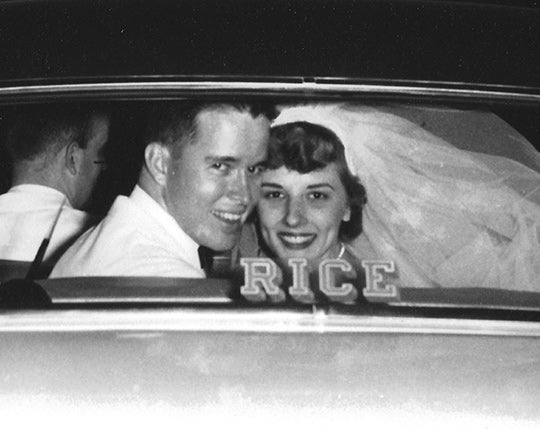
(123, 156)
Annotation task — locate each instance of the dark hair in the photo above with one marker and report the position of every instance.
(305, 147)
(173, 122)
(32, 131)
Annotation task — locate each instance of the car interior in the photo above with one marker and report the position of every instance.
(124, 154)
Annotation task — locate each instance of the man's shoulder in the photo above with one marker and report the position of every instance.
(14, 200)
(122, 255)
(117, 228)
(124, 243)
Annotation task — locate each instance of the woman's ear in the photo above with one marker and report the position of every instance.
(156, 158)
(346, 215)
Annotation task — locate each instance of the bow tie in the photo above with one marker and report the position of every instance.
(206, 258)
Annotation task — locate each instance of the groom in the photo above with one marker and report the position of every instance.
(199, 182)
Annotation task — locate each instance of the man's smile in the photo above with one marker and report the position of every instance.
(229, 217)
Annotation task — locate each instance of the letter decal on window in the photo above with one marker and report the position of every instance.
(261, 277)
(300, 288)
(375, 285)
(327, 280)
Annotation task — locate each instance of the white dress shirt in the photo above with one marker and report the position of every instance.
(27, 213)
(136, 238)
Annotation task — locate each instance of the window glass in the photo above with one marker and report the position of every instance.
(358, 202)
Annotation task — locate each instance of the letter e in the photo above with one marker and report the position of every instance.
(375, 286)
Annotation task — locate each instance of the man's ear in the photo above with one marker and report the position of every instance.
(156, 158)
(73, 157)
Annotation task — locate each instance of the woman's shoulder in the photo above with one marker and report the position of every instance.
(360, 249)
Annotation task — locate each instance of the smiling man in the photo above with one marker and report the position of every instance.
(199, 182)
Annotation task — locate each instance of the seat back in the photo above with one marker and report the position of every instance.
(18, 269)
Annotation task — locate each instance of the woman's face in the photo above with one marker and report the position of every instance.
(300, 214)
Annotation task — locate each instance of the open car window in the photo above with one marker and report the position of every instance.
(451, 218)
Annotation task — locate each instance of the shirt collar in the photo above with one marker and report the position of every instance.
(184, 241)
(53, 195)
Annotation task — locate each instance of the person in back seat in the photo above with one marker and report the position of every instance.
(57, 155)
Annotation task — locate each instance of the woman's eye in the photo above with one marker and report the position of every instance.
(318, 196)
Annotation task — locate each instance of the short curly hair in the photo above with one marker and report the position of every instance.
(305, 147)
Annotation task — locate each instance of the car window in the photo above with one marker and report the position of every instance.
(450, 209)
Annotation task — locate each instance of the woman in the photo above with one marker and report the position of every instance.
(445, 216)
(311, 204)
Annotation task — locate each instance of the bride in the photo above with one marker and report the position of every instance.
(446, 216)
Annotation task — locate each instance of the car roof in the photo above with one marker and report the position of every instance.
(478, 43)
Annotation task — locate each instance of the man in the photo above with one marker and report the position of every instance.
(199, 182)
(57, 155)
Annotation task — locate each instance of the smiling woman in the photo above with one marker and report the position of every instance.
(310, 202)
(447, 217)
(310, 208)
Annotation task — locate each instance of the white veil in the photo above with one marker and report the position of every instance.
(447, 217)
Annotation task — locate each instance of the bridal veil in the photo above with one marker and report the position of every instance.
(449, 211)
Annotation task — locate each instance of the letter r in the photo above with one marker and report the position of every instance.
(259, 277)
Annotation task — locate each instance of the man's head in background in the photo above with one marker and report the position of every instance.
(203, 163)
(59, 146)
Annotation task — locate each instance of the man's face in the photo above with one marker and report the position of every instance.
(93, 161)
(215, 182)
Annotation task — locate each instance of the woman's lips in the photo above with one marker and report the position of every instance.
(296, 241)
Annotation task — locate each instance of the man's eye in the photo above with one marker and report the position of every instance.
(271, 195)
(256, 169)
(219, 166)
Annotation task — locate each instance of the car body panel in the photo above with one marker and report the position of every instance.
(189, 359)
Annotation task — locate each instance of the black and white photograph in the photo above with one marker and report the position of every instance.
(270, 213)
